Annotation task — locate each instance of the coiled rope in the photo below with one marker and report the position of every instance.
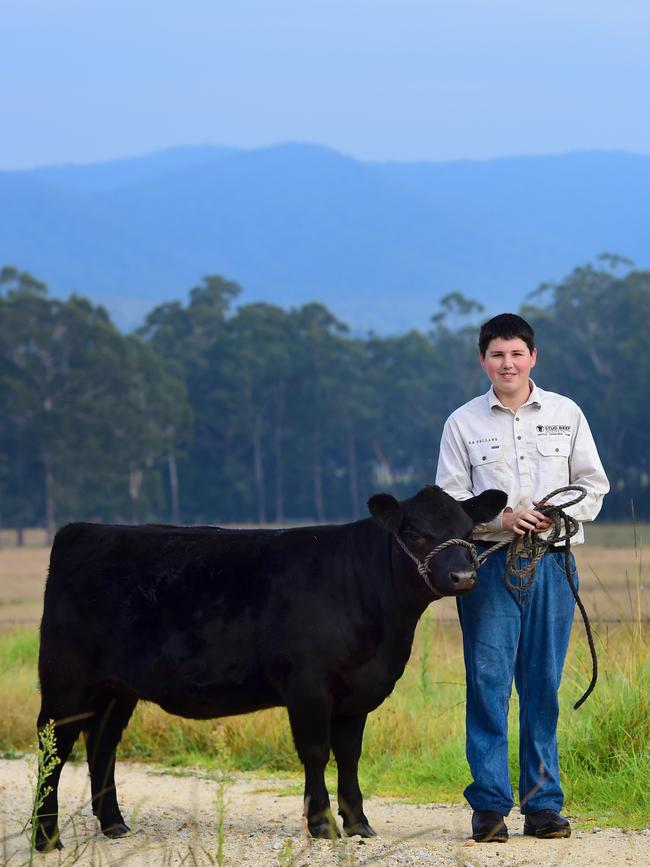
(532, 547)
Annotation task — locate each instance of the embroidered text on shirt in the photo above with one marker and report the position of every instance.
(553, 429)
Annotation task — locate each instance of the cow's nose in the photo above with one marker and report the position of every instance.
(462, 580)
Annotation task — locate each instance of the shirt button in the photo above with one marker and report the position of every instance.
(521, 457)
(557, 450)
(516, 418)
(519, 437)
(484, 456)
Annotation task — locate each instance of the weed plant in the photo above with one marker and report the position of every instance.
(46, 761)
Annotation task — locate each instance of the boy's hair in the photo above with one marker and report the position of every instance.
(507, 326)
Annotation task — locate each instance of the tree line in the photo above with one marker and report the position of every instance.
(218, 412)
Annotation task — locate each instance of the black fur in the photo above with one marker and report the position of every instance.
(207, 622)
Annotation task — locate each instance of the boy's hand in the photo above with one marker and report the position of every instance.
(521, 520)
(547, 522)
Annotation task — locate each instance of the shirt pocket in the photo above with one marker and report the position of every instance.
(487, 466)
(554, 461)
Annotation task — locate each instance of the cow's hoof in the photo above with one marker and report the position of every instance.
(361, 829)
(324, 829)
(119, 829)
(44, 844)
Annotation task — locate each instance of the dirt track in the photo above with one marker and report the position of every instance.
(174, 821)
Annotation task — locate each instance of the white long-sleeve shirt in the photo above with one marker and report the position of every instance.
(545, 445)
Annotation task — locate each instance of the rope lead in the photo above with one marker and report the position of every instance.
(533, 548)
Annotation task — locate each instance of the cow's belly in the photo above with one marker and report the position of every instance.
(210, 702)
(199, 687)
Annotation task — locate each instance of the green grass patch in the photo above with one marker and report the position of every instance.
(605, 745)
(414, 743)
(19, 695)
(20, 650)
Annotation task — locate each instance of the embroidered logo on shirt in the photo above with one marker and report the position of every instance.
(553, 430)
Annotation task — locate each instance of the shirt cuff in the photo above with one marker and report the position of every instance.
(489, 527)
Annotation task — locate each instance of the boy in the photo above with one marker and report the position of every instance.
(528, 442)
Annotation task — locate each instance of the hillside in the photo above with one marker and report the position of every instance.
(379, 243)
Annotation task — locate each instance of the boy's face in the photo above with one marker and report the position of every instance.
(508, 363)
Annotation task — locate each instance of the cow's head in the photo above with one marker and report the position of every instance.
(431, 517)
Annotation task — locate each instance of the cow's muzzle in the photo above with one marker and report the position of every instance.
(461, 585)
(461, 582)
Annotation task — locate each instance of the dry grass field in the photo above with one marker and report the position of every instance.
(22, 579)
(614, 575)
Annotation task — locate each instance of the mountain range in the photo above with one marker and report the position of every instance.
(378, 243)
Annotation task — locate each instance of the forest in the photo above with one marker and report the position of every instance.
(216, 411)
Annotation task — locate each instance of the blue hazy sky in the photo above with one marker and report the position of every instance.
(89, 80)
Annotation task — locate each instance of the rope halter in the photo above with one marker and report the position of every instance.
(423, 565)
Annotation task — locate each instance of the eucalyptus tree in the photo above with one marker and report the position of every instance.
(154, 419)
(86, 407)
(53, 356)
(416, 379)
(191, 339)
(353, 410)
(19, 465)
(316, 339)
(255, 365)
(403, 376)
(592, 332)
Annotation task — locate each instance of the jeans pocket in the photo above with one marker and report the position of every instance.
(559, 564)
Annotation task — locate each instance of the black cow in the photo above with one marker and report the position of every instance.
(207, 622)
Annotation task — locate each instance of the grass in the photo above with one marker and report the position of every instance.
(414, 743)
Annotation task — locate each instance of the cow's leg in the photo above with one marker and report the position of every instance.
(347, 736)
(111, 714)
(310, 724)
(66, 710)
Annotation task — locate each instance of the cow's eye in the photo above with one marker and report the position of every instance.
(416, 537)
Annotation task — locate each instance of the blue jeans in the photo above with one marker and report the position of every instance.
(522, 636)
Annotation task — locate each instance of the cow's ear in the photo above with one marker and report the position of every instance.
(385, 509)
(486, 506)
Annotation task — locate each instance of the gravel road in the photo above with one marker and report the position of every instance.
(175, 818)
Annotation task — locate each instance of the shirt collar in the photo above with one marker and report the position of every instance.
(534, 398)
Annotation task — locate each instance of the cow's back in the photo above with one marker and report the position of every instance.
(206, 621)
